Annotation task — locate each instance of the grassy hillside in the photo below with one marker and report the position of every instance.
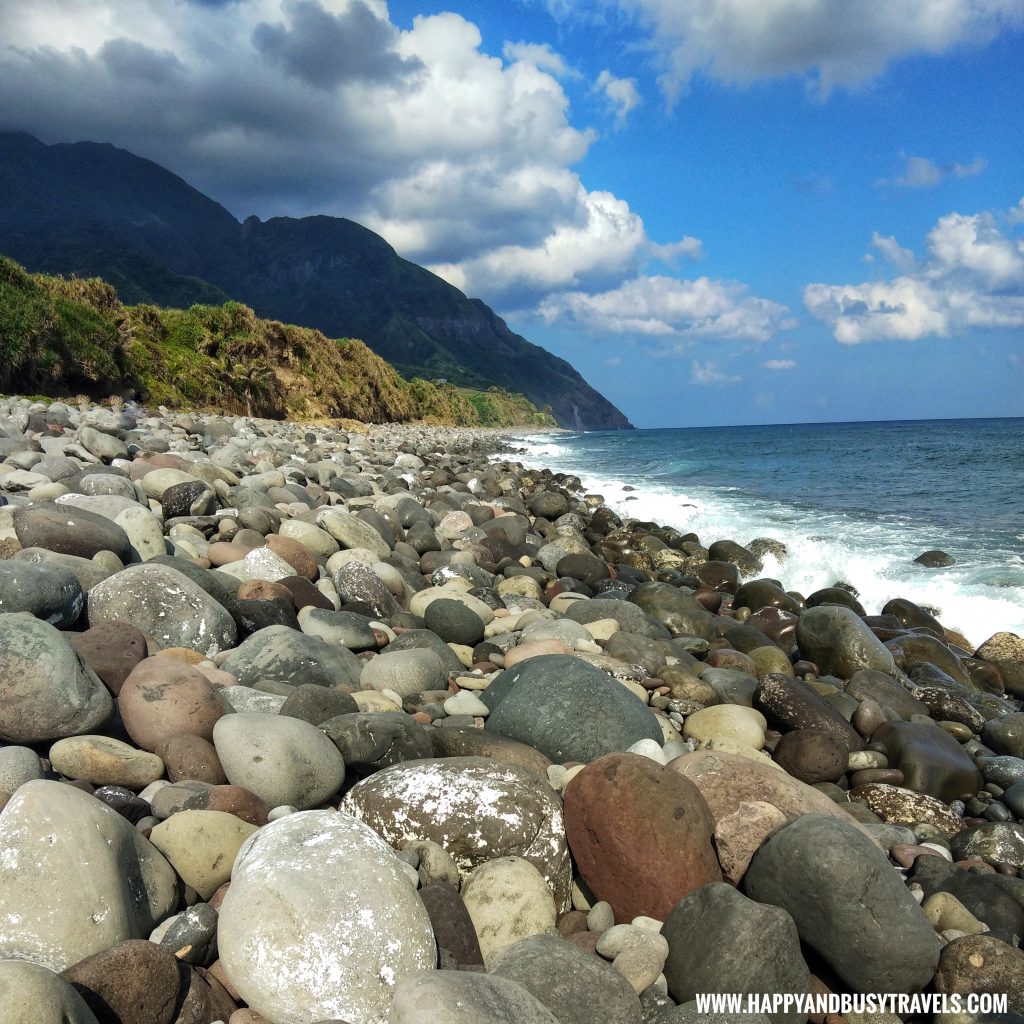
(67, 336)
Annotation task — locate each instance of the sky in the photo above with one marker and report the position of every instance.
(719, 211)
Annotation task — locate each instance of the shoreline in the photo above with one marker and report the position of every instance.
(552, 758)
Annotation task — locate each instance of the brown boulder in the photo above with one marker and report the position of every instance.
(640, 835)
(164, 697)
(240, 802)
(297, 555)
(811, 755)
(1006, 652)
(980, 963)
(206, 1000)
(134, 982)
(263, 590)
(111, 650)
(191, 757)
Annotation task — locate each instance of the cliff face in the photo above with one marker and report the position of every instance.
(92, 209)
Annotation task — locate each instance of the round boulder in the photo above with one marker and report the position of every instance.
(567, 709)
(320, 889)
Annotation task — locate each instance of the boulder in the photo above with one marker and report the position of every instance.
(847, 902)
(640, 835)
(31, 993)
(455, 997)
(840, 643)
(47, 592)
(313, 889)
(284, 655)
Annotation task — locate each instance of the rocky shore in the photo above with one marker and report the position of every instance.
(307, 726)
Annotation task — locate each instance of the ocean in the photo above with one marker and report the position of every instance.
(852, 502)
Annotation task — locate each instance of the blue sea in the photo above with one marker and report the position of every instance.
(852, 502)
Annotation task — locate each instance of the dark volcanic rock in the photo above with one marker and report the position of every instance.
(931, 760)
(70, 530)
(791, 704)
(567, 709)
(847, 902)
(44, 591)
(720, 941)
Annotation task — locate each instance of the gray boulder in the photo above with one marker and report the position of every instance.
(287, 656)
(567, 709)
(840, 643)
(848, 904)
(30, 994)
(457, 997)
(46, 691)
(46, 592)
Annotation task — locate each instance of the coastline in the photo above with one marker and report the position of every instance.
(513, 696)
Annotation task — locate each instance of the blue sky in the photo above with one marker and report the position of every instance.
(720, 211)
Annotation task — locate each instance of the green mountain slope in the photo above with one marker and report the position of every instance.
(92, 209)
(72, 336)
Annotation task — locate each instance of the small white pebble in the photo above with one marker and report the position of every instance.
(281, 811)
(648, 748)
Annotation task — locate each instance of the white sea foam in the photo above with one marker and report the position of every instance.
(978, 596)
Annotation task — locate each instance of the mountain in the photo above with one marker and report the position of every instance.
(94, 210)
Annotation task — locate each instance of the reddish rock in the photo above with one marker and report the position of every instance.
(640, 835)
(205, 1000)
(263, 590)
(191, 757)
(304, 594)
(224, 552)
(297, 555)
(571, 922)
(164, 697)
(134, 982)
(587, 941)
(240, 802)
(727, 658)
(111, 650)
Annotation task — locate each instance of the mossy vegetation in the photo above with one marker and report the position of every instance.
(62, 336)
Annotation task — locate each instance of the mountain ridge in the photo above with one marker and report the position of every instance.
(92, 209)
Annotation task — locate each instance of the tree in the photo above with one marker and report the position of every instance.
(255, 383)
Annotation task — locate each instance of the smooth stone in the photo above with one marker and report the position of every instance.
(282, 760)
(111, 650)
(191, 757)
(133, 981)
(508, 899)
(472, 742)
(166, 605)
(104, 761)
(678, 612)
(1005, 735)
(46, 691)
(556, 972)
(316, 704)
(47, 592)
(847, 903)
(567, 709)
(977, 964)
(163, 697)
(104, 446)
(995, 843)
(739, 835)
(453, 622)
(285, 655)
(344, 628)
(1006, 652)
(192, 935)
(811, 755)
(474, 808)
(456, 997)
(839, 642)
(640, 835)
(375, 740)
(791, 704)
(886, 692)
(32, 994)
(352, 532)
(87, 571)
(453, 927)
(75, 877)
(144, 532)
(18, 765)
(931, 760)
(720, 941)
(466, 703)
(156, 481)
(732, 722)
(318, 888)
(69, 531)
(404, 672)
(201, 846)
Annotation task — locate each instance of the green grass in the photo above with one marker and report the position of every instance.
(69, 336)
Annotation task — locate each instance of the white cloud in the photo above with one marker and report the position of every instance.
(687, 247)
(835, 43)
(540, 55)
(921, 172)
(892, 251)
(972, 277)
(779, 364)
(621, 94)
(709, 373)
(673, 311)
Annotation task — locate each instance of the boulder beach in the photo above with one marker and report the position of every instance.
(311, 725)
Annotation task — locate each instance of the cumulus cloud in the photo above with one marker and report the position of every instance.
(832, 42)
(972, 277)
(672, 312)
(892, 252)
(779, 364)
(621, 95)
(920, 172)
(710, 373)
